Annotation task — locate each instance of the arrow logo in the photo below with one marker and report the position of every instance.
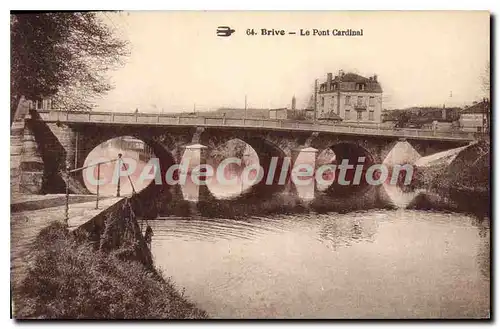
(224, 31)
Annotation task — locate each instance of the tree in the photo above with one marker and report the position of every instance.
(402, 119)
(485, 80)
(64, 56)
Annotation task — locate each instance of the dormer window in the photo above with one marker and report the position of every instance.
(335, 86)
(360, 86)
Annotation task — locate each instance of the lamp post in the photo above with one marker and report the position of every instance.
(315, 100)
(245, 106)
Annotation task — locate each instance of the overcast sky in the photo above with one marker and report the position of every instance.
(421, 58)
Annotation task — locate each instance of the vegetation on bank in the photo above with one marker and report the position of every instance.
(69, 279)
(470, 171)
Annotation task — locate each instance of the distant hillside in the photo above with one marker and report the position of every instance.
(233, 113)
(417, 116)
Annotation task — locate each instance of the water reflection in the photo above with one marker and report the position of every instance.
(343, 231)
(483, 254)
(375, 263)
(399, 196)
(452, 201)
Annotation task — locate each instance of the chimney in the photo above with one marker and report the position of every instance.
(293, 102)
(329, 78)
(375, 77)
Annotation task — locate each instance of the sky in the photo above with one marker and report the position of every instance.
(177, 62)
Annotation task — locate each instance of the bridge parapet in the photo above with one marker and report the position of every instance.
(248, 123)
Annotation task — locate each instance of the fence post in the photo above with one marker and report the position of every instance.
(119, 169)
(98, 178)
(66, 208)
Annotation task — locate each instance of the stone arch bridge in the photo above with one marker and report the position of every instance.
(55, 139)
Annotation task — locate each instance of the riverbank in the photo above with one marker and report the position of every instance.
(468, 173)
(69, 279)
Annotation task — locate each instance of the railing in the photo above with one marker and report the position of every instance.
(98, 165)
(185, 120)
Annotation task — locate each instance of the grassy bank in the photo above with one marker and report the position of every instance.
(69, 279)
(469, 172)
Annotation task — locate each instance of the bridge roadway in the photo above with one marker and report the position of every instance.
(127, 118)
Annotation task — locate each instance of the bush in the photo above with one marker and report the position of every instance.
(70, 280)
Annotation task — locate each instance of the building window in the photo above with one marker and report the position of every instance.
(322, 101)
(347, 100)
(360, 86)
(360, 115)
(347, 114)
(360, 100)
(332, 104)
(372, 100)
(371, 115)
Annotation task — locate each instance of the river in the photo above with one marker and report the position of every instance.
(367, 264)
(375, 263)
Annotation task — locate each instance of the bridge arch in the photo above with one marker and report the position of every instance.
(264, 151)
(337, 153)
(224, 161)
(156, 198)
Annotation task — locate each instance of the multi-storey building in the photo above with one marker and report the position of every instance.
(476, 118)
(352, 97)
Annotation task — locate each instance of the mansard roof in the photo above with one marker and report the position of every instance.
(350, 81)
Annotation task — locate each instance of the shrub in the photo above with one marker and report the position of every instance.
(70, 280)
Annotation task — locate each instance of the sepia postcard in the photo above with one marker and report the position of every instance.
(250, 165)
